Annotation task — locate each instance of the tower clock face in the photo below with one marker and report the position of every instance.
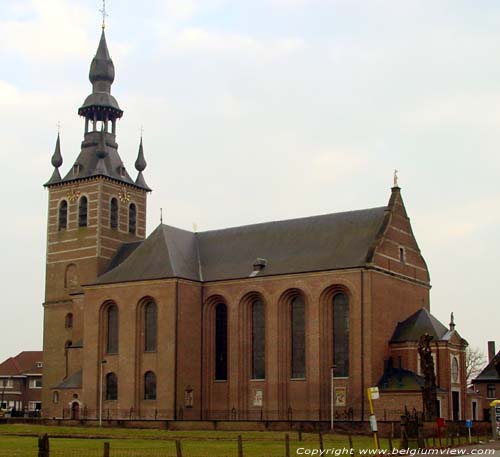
(454, 369)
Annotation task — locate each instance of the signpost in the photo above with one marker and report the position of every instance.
(495, 419)
(468, 424)
(441, 423)
(373, 394)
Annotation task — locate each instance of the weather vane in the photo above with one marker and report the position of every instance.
(104, 14)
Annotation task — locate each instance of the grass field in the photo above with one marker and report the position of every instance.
(21, 440)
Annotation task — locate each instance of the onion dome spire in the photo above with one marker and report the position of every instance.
(56, 161)
(100, 104)
(102, 67)
(140, 166)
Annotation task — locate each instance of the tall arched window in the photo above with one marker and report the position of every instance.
(63, 215)
(258, 340)
(298, 337)
(68, 322)
(111, 386)
(221, 342)
(82, 212)
(113, 213)
(132, 218)
(149, 386)
(150, 326)
(112, 330)
(341, 335)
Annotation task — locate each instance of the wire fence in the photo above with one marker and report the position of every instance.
(230, 414)
(286, 444)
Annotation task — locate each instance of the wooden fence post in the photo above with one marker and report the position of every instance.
(287, 445)
(178, 448)
(240, 446)
(321, 448)
(106, 449)
(43, 446)
(300, 435)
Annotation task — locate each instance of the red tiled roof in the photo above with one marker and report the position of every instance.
(24, 362)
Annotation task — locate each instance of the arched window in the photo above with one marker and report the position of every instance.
(258, 340)
(55, 397)
(82, 212)
(298, 337)
(63, 216)
(340, 335)
(113, 213)
(111, 386)
(68, 321)
(112, 330)
(149, 386)
(132, 216)
(221, 342)
(150, 326)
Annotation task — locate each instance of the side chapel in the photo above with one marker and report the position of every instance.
(252, 322)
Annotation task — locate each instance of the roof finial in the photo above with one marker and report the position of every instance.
(195, 227)
(104, 14)
(452, 322)
(58, 127)
(396, 183)
(161, 215)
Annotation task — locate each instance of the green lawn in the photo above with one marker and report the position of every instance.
(21, 440)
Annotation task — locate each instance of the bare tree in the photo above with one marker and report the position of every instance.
(475, 361)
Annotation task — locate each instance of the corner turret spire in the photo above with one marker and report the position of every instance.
(140, 166)
(56, 161)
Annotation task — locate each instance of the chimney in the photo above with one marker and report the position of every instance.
(491, 350)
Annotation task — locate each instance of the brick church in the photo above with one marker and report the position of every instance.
(276, 320)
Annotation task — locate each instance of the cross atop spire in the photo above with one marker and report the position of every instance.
(104, 14)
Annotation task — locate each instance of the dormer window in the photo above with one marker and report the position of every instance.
(39, 365)
(76, 169)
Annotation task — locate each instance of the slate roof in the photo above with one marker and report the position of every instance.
(400, 379)
(23, 363)
(490, 372)
(419, 323)
(318, 243)
(73, 381)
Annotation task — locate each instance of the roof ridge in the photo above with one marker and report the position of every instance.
(293, 219)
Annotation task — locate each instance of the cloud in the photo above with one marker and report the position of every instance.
(55, 30)
(196, 40)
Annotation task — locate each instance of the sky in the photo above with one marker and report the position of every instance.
(266, 110)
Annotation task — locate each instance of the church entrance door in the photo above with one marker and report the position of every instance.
(75, 411)
(456, 405)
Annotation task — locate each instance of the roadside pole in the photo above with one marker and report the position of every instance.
(373, 394)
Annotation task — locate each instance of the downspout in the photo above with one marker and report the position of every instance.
(202, 358)
(176, 346)
(362, 345)
(202, 325)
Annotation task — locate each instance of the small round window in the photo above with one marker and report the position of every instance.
(454, 369)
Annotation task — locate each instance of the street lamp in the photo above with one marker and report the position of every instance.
(100, 392)
(332, 399)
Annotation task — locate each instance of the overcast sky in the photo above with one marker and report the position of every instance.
(265, 110)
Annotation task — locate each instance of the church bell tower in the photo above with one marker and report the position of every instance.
(93, 210)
